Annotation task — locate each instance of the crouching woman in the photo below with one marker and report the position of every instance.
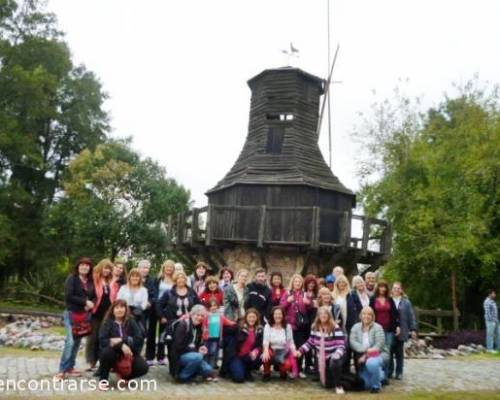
(120, 337)
(329, 342)
(367, 340)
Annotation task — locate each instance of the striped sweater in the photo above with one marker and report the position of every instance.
(335, 343)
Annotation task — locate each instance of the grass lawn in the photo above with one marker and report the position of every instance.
(30, 306)
(478, 357)
(22, 352)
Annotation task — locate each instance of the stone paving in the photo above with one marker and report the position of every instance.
(420, 375)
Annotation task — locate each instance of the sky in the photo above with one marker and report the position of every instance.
(176, 71)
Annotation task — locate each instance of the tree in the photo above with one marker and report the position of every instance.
(435, 175)
(115, 201)
(50, 110)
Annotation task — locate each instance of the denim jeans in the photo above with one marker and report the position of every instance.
(389, 341)
(492, 335)
(396, 352)
(71, 345)
(241, 367)
(192, 364)
(372, 372)
(213, 351)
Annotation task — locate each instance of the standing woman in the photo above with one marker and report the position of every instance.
(386, 314)
(136, 297)
(212, 292)
(325, 299)
(164, 282)
(278, 347)
(297, 307)
(226, 277)
(102, 276)
(368, 342)
(278, 292)
(329, 342)
(407, 327)
(359, 298)
(120, 336)
(197, 279)
(235, 296)
(119, 277)
(341, 294)
(79, 295)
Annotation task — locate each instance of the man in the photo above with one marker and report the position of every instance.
(150, 318)
(491, 322)
(336, 271)
(259, 295)
(371, 283)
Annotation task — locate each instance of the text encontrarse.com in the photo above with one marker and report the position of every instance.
(73, 385)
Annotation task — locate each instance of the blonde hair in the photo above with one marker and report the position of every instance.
(295, 276)
(322, 291)
(367, 309)
(134, 272)
(317, 324)
(180, 274)
(101, 266)
(167, 263)
(336, 290)
(338, 268)
(238, 273)
(357, 279)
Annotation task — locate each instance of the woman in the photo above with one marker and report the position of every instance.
(119, 277)
(197, 279)
(235, 296)
(188, 350)
(329, 342)
(357, 300)
(212, 292)
(278, 346)
(368, 342)
(120, 336)
(79, 296)
(311, 292)
(297, 306)
(341, 294)
(226, 277)
(136, 296)
(407, 327)
(386, 314)
(277, 289)
(244, 357)
(164, 282)
(102, 277)
(325, 299)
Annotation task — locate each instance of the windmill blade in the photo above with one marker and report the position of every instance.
(327, 91)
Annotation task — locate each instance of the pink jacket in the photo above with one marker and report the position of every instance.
(298, 305)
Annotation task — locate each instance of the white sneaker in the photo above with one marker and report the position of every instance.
(339, 390)
(302, 375)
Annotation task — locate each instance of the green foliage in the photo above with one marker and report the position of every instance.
(436, 177)
(113, 202)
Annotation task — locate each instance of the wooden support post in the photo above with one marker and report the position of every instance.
(208, 234)
(346, 239)
(366, 234)
(315, 228)
(195, 227)
(180, 228)
(454, 299)
(262, 227)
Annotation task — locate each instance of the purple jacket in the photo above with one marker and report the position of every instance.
(297, 306)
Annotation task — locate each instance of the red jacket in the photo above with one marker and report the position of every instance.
(206, 296)
(225, 322)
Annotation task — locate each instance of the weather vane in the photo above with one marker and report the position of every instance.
(291, 53)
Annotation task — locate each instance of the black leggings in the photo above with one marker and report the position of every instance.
(109, 357)
(333, 374)
(300, 336)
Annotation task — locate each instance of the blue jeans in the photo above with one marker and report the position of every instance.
(241, 367)
(192, 364)
(213, 351)
(492, 335)
(397, 353)
(372, 372)
(71, 345)
(389, 341)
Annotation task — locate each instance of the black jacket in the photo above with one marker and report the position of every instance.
(167, 306)
(75, 294)
(354, 307)
(394, 313)
(260, 298)
(132, 334)
(151, 285)
(186, 338)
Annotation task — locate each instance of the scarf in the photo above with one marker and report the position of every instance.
(322, 359)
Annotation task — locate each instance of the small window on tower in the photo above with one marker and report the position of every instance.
(279, 117)
(275, 138)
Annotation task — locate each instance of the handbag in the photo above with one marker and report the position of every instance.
(123, 366)
(80, 323)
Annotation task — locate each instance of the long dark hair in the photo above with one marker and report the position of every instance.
(387, 290)
(120, 302)
(271, 319)
(276, 273)
(84, 260)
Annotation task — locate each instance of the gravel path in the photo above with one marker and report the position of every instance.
(421, 375)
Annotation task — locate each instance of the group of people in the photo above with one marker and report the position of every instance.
(345, 335)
